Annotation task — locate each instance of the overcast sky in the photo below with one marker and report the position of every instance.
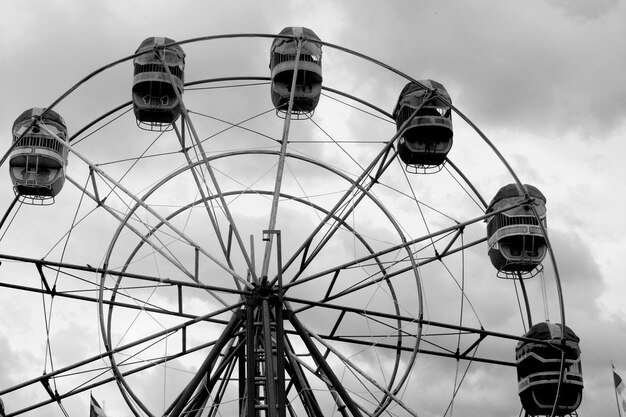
(544, 80)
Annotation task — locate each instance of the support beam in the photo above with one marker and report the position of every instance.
(207, 365)
(322, 364)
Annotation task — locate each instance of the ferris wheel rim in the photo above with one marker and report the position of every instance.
(106, 330)
(517, 181)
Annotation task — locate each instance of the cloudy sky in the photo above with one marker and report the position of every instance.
(544, 81)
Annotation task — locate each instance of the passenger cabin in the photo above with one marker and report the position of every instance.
(517, 245)
(427, 139)
(155, 102)
(539, 369)
(309, 71)
(38, 160)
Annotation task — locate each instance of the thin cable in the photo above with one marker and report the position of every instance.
(415, 199)
(211, 211)
(454, 389)
(137, 158)
(159, 136)
(335, 142)
(135, 217)
(458, 387)
(13, 217)
(519, 305)
(48, 347)
(478, 204)
(69, 232)
(419, 208)
(462, 292)
(546, 309)
(226, 86)
(386, 119)
(463, 295)
(77, 141)
(235, 125)
(48, 317)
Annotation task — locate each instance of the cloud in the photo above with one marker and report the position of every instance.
(508, 75)
(546, 79)
(586, 10)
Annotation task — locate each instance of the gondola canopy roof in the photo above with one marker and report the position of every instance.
(174, 56)
(550, 331)
(511, 191)
(27, 115)
(286, 45)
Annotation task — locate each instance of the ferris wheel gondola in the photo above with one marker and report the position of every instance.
(517, 244)
(38, 160)
(155, 100)
(549, 376)
(427, 139)
(296, 63)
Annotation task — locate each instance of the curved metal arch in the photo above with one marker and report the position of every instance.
(259, 192)
(320, 164)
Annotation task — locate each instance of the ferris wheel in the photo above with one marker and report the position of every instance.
(278, 244)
